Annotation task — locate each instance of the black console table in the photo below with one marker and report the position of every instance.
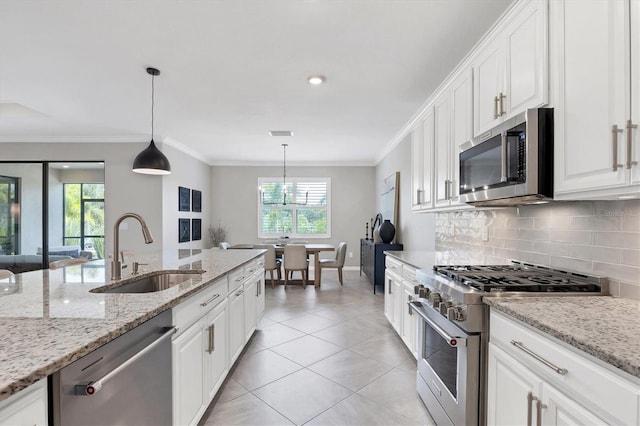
(372, 260)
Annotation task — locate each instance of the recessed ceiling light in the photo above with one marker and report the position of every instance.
(316, 79)
(280, 132)
(627, 197)
(66, 166)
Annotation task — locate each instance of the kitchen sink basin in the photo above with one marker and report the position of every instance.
(157, 281)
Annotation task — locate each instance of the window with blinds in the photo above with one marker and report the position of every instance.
(301, 209)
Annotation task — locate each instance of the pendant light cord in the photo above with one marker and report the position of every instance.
(153, 77)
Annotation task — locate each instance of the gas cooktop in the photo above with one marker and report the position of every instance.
(521, 277)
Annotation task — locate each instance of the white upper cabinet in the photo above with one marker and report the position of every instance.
(510, 70)
(421, 162)
(453, 127)
(594, 84)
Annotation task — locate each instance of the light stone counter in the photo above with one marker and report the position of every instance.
(48, 318)
(602, 326)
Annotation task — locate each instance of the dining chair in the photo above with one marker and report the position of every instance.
(271, 263)
(295, 259)
(67, 262)
(338, 262)
(5, 273)
(224, 245)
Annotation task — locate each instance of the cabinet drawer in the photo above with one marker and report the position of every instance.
(192, 309)
(593, 384)
(252, 266)
(409, 274)
(236, 277)
(260, 263)
(392, 265)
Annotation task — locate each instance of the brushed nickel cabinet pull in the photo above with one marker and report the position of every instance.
(502, 96)
(614, 144)
(530, 399)
(409, 305)
(630, 127)
(215, 296)
(495, 107)
(539, 407)
(519, 345)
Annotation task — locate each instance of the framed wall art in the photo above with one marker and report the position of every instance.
(184, 230)
(196, 229)
(184, 199)
(196, 200)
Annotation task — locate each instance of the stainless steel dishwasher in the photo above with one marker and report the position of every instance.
(125, 382)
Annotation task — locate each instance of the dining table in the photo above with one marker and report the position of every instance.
(312, 248)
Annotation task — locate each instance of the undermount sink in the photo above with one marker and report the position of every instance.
(157, 281)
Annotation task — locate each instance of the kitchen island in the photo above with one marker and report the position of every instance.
(50, 318)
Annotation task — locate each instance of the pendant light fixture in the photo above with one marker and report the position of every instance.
(284, 185)
(151, 161)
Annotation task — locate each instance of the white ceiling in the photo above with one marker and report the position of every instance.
(231, 70)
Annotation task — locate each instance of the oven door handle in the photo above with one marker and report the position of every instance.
(453, 341)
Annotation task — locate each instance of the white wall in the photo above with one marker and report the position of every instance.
(416, 231)
(234, 201)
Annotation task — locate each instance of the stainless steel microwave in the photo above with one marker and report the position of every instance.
(511, 164)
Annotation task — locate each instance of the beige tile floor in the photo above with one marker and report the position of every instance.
(324, 356)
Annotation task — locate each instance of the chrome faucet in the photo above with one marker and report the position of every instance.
(116, 265)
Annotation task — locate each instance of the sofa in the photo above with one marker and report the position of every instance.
(18, 263)
(72, 251)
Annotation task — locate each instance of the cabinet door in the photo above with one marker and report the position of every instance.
(409, 319)
(188, 375)
(217, 351)
(250, 306)
(588, 62)
(634, 12)
(27, 407)
(461, 127)
(509, 383)
(398, 305)
(389, 304)
(421, 158)
(236, 324)
(441, 146)
(488, 84)
(559, 409)
(526, 55)
(260, 300)
(427, 159)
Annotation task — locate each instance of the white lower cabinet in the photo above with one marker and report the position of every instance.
(27, 407)
(236, 323)
(400, 282)
(213, 327)
(393, 292)
(534, 379)
(216, 358)
(188, 376)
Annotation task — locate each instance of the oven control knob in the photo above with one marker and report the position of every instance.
(443, 307)
(435, 299)
(423, 293)
(455, 314)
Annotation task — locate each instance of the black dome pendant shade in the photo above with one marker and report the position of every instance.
(151, 161)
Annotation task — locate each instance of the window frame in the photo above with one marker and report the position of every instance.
(294, 208)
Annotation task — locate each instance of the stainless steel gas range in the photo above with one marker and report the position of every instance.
(454, 324)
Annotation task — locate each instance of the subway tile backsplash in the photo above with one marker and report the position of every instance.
(596, 237)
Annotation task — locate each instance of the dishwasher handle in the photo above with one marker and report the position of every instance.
(95, 386)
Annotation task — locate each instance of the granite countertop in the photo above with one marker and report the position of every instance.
(48, 318)
(602, 326)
